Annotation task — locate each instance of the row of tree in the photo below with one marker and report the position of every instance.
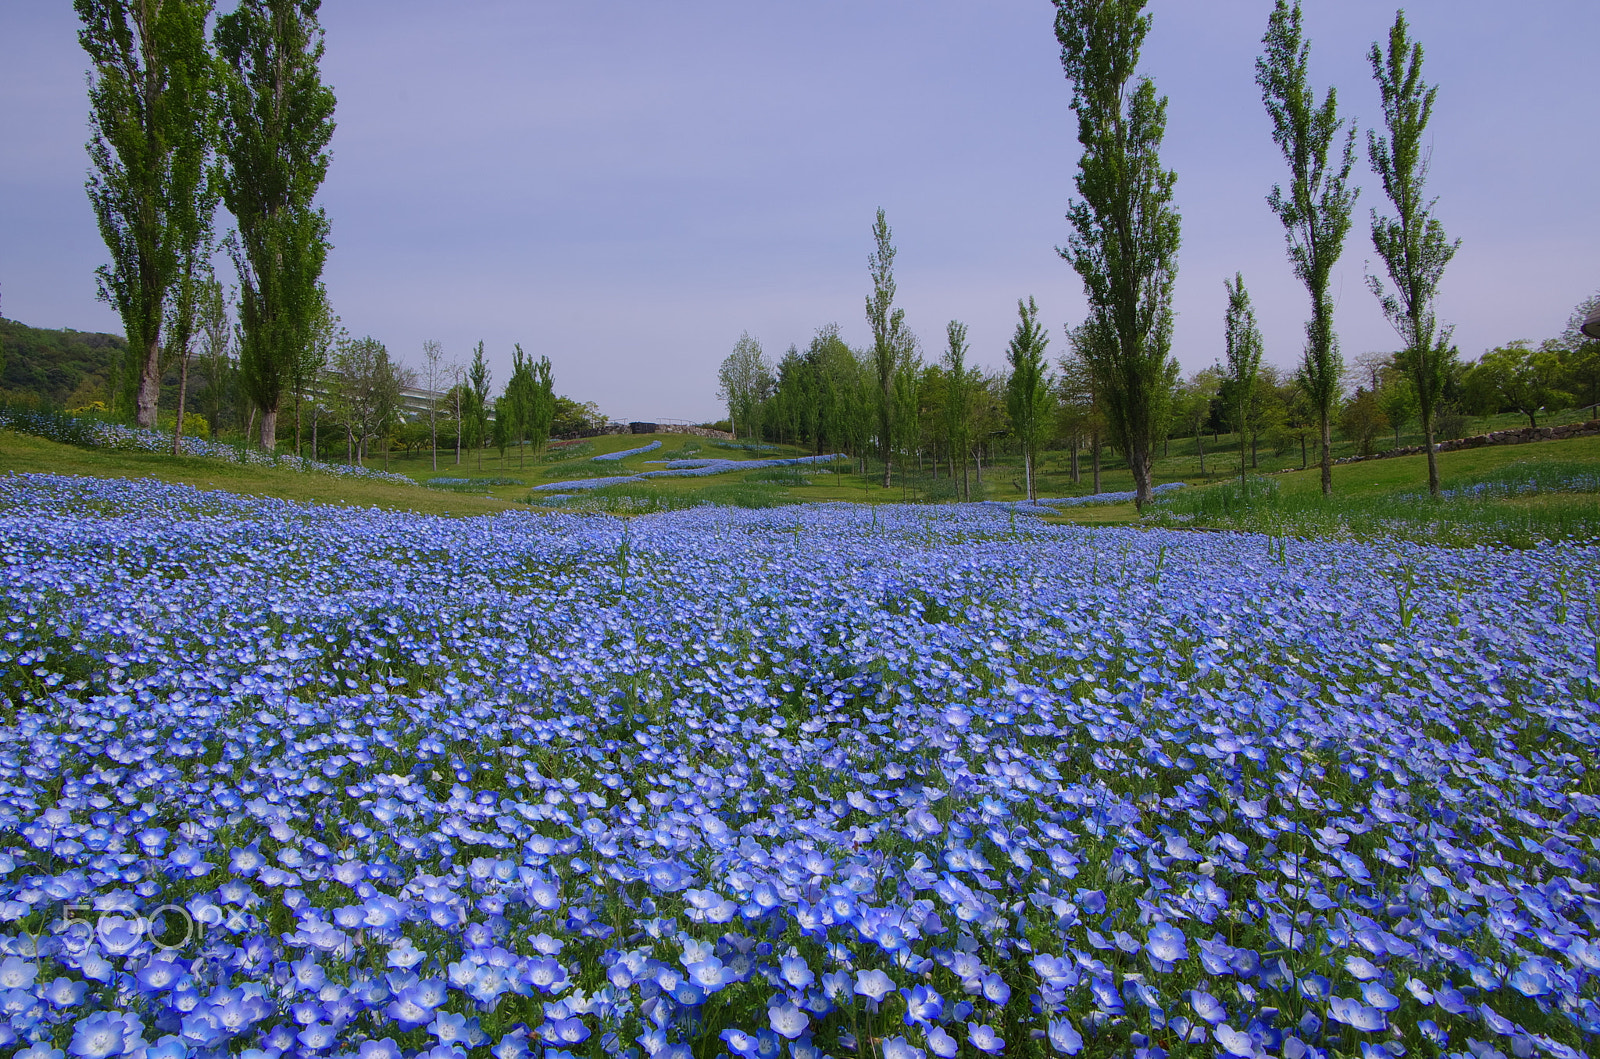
(945, 414)
(182, 121)
(359, 387)
(1125, 233)
(1124, 240)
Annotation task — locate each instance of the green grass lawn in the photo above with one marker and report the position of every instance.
(1388, 498)
(1380, 497)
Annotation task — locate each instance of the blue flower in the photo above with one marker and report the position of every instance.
(941, 1043)
(874, 985)
(98, 1036)
(1354, 1013)
(1064, 1037)
(924, 1006)
(1165, 945)
(983, 1038)
(900, 1048)
(788, 1020)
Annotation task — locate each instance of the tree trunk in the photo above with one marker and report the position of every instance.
(1327, 456)
(433, 436)
(183, 387)
(297, 451)
(1094, 453)
(1433, 457)
(269, 430)
(316, 454)
(1077, 476)
(1200, 447)
(148, 394)
(1302, 450)
(1139, 461)
(1027, 475)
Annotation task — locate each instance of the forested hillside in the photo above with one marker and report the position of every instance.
(55, 366)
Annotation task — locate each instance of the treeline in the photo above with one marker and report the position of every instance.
(1118, 383)
(57, 367)
(947, 418)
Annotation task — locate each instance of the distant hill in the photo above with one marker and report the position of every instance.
(53, 366)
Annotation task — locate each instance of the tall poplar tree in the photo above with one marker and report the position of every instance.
(1412, 243)
(889, 340)
(1242, 342)
(959, 386)
(1028, 397)
(1315, 209)
(1125, 237)
(541, 405)
(151, 112)
(478, 395)
(276, 123)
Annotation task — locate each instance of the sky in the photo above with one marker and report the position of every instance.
(626, 187)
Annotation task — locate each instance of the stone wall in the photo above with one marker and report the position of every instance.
(1520, 436)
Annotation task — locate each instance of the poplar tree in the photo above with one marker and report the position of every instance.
(889, 339)
(1125, 231)
(1315, 209)
(959, 385)
(1242, 339)
(516, 407)
(276, 123)
(151, 113)
(1028, 397)
(541, 405)
(478, 391)
(1412, 243)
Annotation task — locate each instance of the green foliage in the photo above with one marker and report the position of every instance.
(365, 394)
(528, 406)
(1412, 244)
(151, 114)
(961, 383)
(1242, 340)
(276, 123)
(1520, 377)
(1125, 231)
(1522, 505)
(1362, 418)
(51, 366)
(1028, 396)
(1315, 210)
(745, 380)
(892, 343)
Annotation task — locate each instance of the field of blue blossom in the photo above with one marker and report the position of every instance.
(901, 783)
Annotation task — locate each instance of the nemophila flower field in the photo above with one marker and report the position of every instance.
(902, 783)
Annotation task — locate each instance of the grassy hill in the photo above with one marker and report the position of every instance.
(52, 365)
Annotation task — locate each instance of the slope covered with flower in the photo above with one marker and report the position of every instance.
(819, 781)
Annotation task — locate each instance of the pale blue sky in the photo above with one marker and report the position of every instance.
(627, 186)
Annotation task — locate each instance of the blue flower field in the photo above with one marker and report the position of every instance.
(900, 783)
